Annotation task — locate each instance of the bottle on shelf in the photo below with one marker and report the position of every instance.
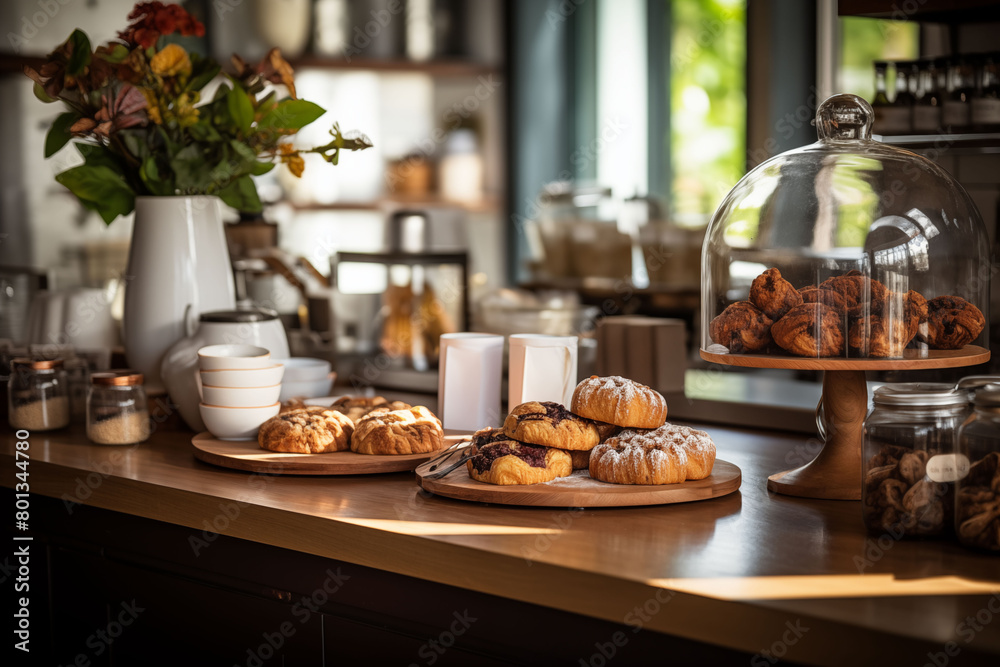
(927, 105)
(984, 108)
(905, 95)
(889, 118)
(955, 109)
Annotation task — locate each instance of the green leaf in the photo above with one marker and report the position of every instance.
(241, 194)
(240, 108)
(204, 132)
(149, 172)
(243, 150)
(80, 57)
(96, 155)
(191, 171)
(100, 189)
(118, 54)
(203, 70)
(135, 143)
(291, 115)
(59, 134)
(41, 94)
(260, 168)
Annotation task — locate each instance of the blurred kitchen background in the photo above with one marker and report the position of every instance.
(537, 164)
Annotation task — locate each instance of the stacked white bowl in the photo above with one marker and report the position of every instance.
(240, 389)
(306, 377)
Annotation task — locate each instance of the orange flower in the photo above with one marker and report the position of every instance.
(173, 60)
(291, 157)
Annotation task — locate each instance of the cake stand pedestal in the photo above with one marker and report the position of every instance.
(835, 473)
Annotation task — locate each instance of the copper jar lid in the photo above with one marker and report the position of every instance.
(37, 364)
(117, 378)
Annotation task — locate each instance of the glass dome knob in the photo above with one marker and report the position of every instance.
(844, 117)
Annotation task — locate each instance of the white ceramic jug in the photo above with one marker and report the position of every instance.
(180, 363)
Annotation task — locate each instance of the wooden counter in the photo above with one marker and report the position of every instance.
(750, 571)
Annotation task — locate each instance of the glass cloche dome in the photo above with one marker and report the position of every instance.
(846, 248)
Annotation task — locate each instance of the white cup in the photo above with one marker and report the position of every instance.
(232, 357)
(541, 368)
(469, 377)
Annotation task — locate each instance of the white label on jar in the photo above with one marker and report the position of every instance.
(947, 467)
(985, 111)
(926, 118)
(955, 114)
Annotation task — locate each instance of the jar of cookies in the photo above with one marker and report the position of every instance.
(977, 498)
(910, 462)
(846, 249)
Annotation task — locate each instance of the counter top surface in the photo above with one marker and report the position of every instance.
(749, 570)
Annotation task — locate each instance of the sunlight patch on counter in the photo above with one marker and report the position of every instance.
(825, 586)
(438, 528)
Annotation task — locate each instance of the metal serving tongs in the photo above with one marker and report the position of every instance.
(445, 462)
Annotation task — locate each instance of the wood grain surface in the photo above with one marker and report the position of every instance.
(732, 571)
(970, 355)
(580, 490)
(248, 456)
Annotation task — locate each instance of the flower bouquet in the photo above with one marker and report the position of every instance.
(136, 105)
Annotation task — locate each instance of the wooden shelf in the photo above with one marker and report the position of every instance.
(932, 11)
(442, 68)
(977, 141)
(14, 64)
(484, 206)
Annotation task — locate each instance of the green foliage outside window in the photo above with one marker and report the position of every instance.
(707, 105)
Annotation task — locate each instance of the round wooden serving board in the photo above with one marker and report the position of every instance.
(580, 490)
(247, 455)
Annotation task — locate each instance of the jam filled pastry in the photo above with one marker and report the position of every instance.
(550, 424)
(952, 322)
(858, 292)
(813, 294)
(773, 295)
(741, 327)
(811, 330)
(510, 462)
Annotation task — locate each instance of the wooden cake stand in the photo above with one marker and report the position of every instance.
(835, 473)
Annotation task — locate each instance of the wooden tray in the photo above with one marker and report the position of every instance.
(246, 455)
(581, 490)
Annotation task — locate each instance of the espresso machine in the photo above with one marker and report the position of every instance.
(395, 304)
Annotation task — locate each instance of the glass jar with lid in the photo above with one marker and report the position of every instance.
(977, 499)
(973, 384)
(37, 394)
(909, 462)
(117, 412)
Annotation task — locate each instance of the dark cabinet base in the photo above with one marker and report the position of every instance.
(113, 589)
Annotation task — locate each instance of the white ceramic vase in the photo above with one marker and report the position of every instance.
(178, 267)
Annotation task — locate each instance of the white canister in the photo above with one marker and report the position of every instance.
(541, 368)
(469, 377)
